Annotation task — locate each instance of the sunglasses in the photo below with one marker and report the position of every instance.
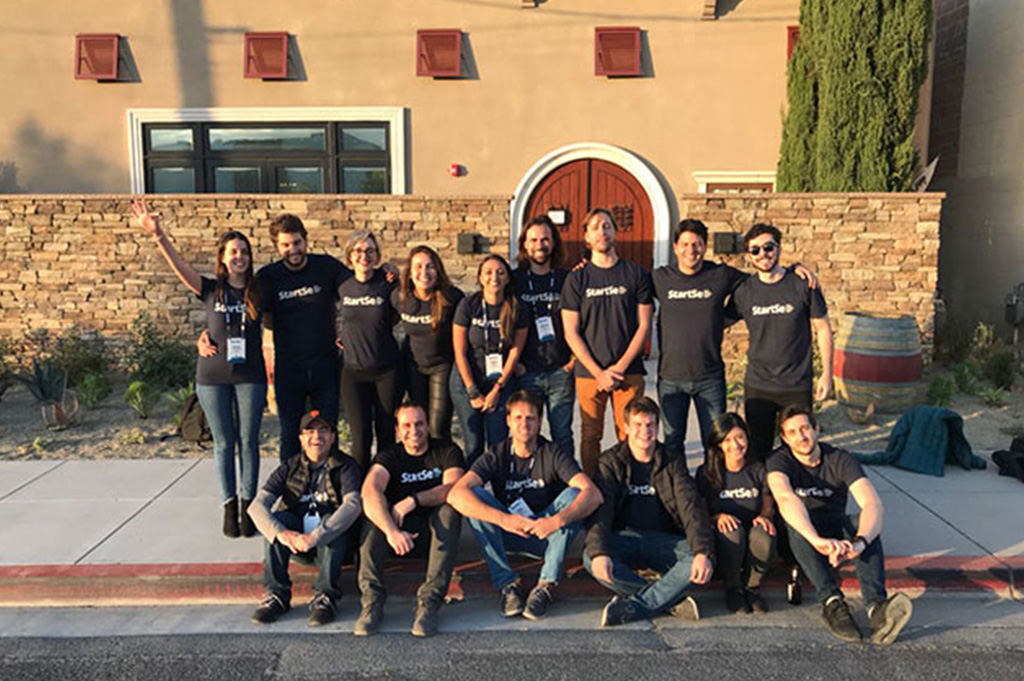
(768, 248)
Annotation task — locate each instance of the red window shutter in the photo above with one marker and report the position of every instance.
(96, 56)
(792, 35)
(266, 55)
(617, 51)
(439, 53)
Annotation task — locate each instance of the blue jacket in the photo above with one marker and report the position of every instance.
(924, 440)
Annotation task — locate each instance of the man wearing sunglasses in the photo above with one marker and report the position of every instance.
(780, 311)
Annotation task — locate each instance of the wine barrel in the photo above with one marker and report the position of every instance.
(877, 360)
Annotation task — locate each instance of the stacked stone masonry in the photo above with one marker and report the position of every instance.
(78, 261)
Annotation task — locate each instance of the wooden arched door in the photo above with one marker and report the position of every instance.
(579, 186)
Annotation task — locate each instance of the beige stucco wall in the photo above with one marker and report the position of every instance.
(714, 102)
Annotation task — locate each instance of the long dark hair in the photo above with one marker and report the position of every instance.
(252, 290)
(510, 306)
(439, 298)
(714, 457)
(557, 249)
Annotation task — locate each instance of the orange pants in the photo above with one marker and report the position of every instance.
(592, 405)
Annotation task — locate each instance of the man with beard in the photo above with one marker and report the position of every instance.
(546, 358)
(607, 307)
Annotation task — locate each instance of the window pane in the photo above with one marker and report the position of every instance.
(364, 139)
(236, 180)
(170, 139)
(173, 181)
(300, 180)
(273, 139)
(364, 180)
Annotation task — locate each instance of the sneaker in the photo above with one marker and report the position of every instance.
(270, 608)
(736, 602)
(246, 527)
(512, 600)
(686, 609)
(794, 592)
(425, 622)
(620, 611)
(230, 526)
(839, 620)
(538, 601)
(321, 610)
(368, 622)
(756, 601)
(888, 618)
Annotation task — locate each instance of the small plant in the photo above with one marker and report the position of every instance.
(966, 375)
(157, 358)
(41, 444)
(93, 389)
(177, 398)
(1001, 368)
(993, 397)
(983, 340)
(48, 383)
(141, 397)
(135, 436)
(79, 356)
(941, 390)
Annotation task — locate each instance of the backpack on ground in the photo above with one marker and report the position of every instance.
(192, 425)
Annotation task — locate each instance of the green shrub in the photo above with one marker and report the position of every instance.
(47, 381)
(142, 398)
(158, 359)
(80, 356)
(177, 399)
(941, 390)
(1001, 368)
(93, 389)
(993, 397)
(966, 374)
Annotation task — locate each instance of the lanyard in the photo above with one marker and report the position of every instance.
(487, 328)
(242, 316)
(512, 463)
(550, 289)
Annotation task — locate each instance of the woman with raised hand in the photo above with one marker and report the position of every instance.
(488, 335)
(231, 382)
(742, 511)
(426, 302)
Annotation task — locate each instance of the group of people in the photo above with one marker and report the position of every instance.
(536, 339)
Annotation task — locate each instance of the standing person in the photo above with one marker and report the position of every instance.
(547, 363)
(780, 312)
(538, 500)
(299, 295)
(426, 301)
(742, 512)
(231, 382)
(606, 309)
(488, 336)
(370, 375)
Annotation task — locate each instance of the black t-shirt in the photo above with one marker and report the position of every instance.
(367, 319)
(299, 307)
(315, 497)
(606, 300)
(779, 355)
(540, 295)
(483, 324)
(412, 474)
(538, 479)
(642, 509)
(228, 317)
(426, 348)
(691, 318)
(823, 488)
(742, 493)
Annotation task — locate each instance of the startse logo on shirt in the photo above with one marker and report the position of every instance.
(690, 294)
(741, 493)
(300, 292)
(776, 309)
(815, 492)
(527, 483)
(362, 301)
(417, 319)
(237, 308)
(606, 291)
(491, 323)
(547, 297)
(641, 490)
(421, 476)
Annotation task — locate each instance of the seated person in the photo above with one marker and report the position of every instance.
(652, 517)
(404, 497)
(539, 497)
(319, 496)
(810, 481)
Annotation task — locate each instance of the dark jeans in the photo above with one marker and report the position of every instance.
(662, 552)
(479, 428)
(327, 558)
(292, 387)
(438, 540)
(870, 565)
(430, 388)
(370, 399)
(744, 556)
(558, 390)
(708, 398)
(762, 409)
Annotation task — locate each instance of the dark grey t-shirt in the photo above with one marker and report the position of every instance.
(540, 295)
(367, 320)
(823, 489)
(642, 509)
(742, 493)
(426, 348)
(538, 479)
(411, 474)
(483, 330)
(226, 316)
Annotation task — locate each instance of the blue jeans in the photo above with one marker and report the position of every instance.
(495, 543)
(326, 557)
(479, 428)
(558, 390)
(708, 398)
(235, 413)
(869, 566)
(292, 387)
(662, 552)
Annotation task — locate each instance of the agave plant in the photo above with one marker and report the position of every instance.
(48, 383)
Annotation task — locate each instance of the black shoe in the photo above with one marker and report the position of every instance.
(756, 601)
(538, 601)
(425, 622)
(888, 618)
(231, 518)
(321, 610)
(686, 609)
(246, 526)
(736, 603)
(512, 600)
(794, 592)
(370, 618)
(839, 620)
(270, 608)
(1011, 464)
(620, 611)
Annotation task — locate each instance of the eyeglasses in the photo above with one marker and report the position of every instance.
(364, 251)
(768, 248)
